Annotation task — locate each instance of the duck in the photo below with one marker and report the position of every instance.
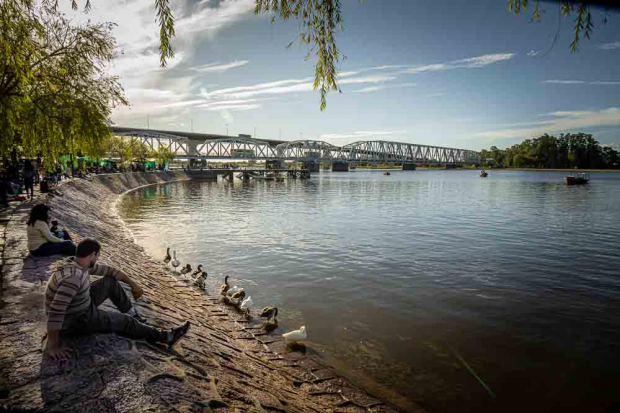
(187, 269)
(269, 312)
(175, 262)
(272, 322)
(238, 296)
(246, 305)
(233, 290)
(198, 271)
(295, 335)
(168, 257)
(224, 288)
(201, 280)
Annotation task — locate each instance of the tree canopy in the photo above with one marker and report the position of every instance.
(582, 10)
(579, 150)
(55, 96)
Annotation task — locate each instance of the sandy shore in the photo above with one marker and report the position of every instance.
(225, 364)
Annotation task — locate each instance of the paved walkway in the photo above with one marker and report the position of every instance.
(224, 364)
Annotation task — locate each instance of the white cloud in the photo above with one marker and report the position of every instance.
(580, 82)
(227, 116)
(560, 121)
(382, 87)
(367, 79)
(564, 82)
(609, 46)
(214, 18)
(469, 63)
(217, 67)
(533, 53)
(287, 86)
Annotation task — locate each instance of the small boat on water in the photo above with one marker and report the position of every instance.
(577, 179)
(483, 174)
(387, 173)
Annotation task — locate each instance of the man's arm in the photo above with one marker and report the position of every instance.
(63, 296)
(108, 271)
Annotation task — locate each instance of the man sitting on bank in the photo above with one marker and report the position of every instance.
(71, 303)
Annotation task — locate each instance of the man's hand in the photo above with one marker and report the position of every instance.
(136, 290)
(53, 346)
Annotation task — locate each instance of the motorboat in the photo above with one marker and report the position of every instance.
(577, 179)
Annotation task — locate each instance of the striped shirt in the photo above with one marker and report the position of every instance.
(67, 295)
(39, 234)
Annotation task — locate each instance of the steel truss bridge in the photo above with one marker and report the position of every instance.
(205, 146)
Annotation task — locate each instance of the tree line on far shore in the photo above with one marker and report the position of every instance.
(579, 150)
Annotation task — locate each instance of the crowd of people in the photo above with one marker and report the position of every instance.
(18, 179)
(72, 301)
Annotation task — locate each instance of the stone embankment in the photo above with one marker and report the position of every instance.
(225, 364)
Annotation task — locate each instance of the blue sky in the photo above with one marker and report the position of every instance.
(463, 74)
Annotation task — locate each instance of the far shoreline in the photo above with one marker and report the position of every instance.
(554, 170)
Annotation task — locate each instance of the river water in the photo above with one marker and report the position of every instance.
(438, 287)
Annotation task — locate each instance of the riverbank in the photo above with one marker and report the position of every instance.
(223, 365)
(554, 170)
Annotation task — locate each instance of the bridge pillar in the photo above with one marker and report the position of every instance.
(340, 167)
(409, 167)
(450, 166)
(311, 166)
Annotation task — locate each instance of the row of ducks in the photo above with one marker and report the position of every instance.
(198, 277)
(234, 296)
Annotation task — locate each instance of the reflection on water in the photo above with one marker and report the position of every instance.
(518, 273)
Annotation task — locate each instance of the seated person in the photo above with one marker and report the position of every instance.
(71, 303)
(62, 234)
(41, 241)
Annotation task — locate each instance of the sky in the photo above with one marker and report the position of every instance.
(463, 74)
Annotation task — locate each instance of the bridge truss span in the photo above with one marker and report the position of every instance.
(204, 146)
(397, 152)
(307, 150)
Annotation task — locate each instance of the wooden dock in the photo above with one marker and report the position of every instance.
(247, 174)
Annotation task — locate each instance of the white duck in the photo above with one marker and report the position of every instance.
(296, 335)
(175, 262)
(247, 304)
(233, 290)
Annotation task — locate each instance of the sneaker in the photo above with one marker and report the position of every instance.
(176, 334)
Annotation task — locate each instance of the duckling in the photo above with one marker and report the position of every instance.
(272, 322)
(224, 288)
(295, 335)
(168, 257)
(187, 269)
(198, 271)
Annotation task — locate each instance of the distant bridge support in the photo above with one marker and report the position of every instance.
(274, 164)
(409, 166)
(311, 166)
(340, 167)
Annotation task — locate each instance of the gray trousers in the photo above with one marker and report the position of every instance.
(96, 320)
